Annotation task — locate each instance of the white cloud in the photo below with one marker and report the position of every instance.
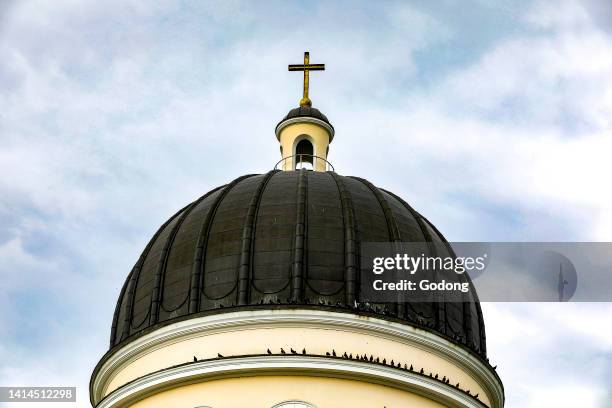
(527, 124)
(559, 352)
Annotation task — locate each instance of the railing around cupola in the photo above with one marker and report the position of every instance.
(303, 161)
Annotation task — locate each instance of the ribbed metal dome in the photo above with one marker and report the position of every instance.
(281, 240)
(306, 112)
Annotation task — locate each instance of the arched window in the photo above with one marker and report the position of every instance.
(304, 154)
(294, 404)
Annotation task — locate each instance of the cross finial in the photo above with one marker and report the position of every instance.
(306, 67)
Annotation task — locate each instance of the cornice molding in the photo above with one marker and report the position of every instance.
(289, 365)
(227, 322)
(305, 119)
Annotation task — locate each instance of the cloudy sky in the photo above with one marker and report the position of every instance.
(493, 118)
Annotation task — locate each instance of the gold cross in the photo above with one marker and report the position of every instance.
(306, 67)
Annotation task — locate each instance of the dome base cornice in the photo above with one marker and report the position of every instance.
(290, 365)
(111, 383)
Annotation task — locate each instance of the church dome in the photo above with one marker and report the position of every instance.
(304, 113)
(284, 239)
(264, 284)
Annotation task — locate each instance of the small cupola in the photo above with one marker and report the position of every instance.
(305, 133)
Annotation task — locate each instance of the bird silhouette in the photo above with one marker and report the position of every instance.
(304, 350)
(495, 367)
(327, 354)
(195, 359)
(293, 351)
(384, 361)
(377, 360)
(411, 367)
(334, 352)
(436, 376)
(283, 351)
(392, 363)
(351, 356)
(219, 355)
(345, 355)
(476, 396)
(457, 385)
(269, 352)
(371, 357)
(422, 371)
